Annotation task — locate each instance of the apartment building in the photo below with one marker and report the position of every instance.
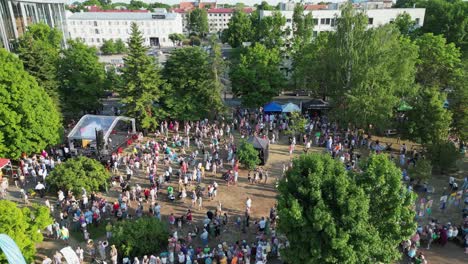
(95, 27)
(17, 15)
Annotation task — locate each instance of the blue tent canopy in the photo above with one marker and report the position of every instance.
(272, 107)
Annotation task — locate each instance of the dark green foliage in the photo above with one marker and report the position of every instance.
(142, 82)
(194, 91)
(330, 217)
(429, 121)
(198, 22)
(108, 47)
(81, 78)
(439, 62)
(195, 41)
(257, 78)
(360, 69)
(78, 173)
(405, 24)
(269, 30)
(22, 225)
(444, 156)
(239, 30)
(176, 38)
(29, 120)
(422, 171)
(120, 47)
(39, 50)
(248, 155)
(143, 236)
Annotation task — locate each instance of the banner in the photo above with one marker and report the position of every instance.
(11, 250)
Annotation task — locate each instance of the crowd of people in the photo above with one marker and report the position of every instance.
(183, 163)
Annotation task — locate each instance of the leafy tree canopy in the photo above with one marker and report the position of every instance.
(108, 47)
(324, 210)
(23, 225)
(78, 173)
(198, 22)
(257, 77)
(143, 236)
(29, 119)
(195, 91)
(248, 155)
(439, 62)
(429, 121)
(444, 156)
(39, 49)
(81, 77)
(239, 29)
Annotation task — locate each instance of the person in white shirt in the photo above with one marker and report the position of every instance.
(248, 203)
(181, 257)
(47, 260)
(40, 188)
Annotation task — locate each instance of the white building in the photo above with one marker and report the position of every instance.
(324, 20)
(95, 27)
(17, 15)
(218, 18)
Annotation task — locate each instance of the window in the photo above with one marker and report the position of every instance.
(96, 31)
(333, 22)
(98, 40)
(92, 40)
(95, 23)
(288, 20)
(322, 21)
(371, 21)
(315, 21)
(417, 20)
(110, 23)
(328, 21)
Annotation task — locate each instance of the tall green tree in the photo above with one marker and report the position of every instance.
(176, 38)
(439, 62)
(29, 120)
(364, 69)
(23, 225)
(405, 24)
(303, 26)
(39, 49)
(342, 218)
(143, 84)
(390, 207)
(429, 121)
(270, 30)
(195, 91)
(81, 78)
(239, 29)
(198, 22)
(458, 105)
(257, 78)
(447, 17)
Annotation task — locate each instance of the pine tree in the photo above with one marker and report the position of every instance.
(142, 82)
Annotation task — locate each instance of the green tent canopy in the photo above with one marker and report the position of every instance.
(404, 107)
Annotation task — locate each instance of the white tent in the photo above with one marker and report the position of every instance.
(290, 107)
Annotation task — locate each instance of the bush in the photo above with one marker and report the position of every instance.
(444, 156)
(144, 236)
(22, 225)
(78, 173)
(247, 155)
(422, 171)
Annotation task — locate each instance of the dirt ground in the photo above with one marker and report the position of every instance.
(263, 197)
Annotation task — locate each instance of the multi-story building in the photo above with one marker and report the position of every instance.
(17, 15)
(324, 20)
(95, 27)
(218, 18)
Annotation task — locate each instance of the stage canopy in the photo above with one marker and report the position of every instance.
(88, 124)
(273, 107)
(290, 107)
(315, 104)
